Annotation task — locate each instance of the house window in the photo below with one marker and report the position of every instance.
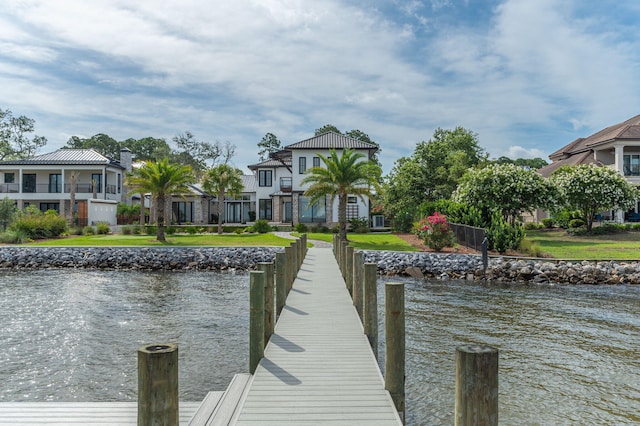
(265, 177)
(55, 182)
(316, 161)
(352, 199)
(9, 177)
(265, 209)
(96, 179)
(119, 183)
(631, 165)
(310, 213)
(302, 165)
(182, 211)
(49, 206)
(28, 182)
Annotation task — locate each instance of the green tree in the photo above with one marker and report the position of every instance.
(222, 180)
(102, 143)
(269, 144)
(15, 143)
(8, 211)
(341, 176)
(591, 189)
(506, 188)
(355, 134)
(433, 171)
(161, 179)
(147, 149)
(326, 129)
(201, 155)
(525, 163)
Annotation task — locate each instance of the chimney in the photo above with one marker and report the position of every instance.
(126, 159)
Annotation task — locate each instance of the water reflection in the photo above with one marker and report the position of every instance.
(568, 355)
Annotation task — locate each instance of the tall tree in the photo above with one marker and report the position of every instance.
(15, 143)
(355, 134)
(102, 143)
(269, 144)
(326, 129)
(147, 149)
(223, 180)
(161, 179)
(591, 189)
(201, 155)
(341, 176)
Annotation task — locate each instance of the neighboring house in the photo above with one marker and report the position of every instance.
(617, 147)
(45, 182)
(280, 193)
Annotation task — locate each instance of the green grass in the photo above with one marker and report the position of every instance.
(172, 240)
(559, 245)
(372, 241)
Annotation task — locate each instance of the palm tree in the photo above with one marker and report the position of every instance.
(161, 179)
(340, 177)
(220, 180)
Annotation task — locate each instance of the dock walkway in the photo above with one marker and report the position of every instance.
(318, 367)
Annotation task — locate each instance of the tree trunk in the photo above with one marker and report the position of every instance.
(342, 216)
(220, 210)
(142, 210)
(160, 212)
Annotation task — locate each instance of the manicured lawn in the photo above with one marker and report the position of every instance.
(559, 245)
(371, 241)
(172, 240)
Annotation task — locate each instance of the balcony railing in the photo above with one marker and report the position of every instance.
(285, 184)
(9, 187)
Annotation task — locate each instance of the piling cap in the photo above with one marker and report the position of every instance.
(158, 348)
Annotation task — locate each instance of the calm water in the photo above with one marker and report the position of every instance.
(568, 355)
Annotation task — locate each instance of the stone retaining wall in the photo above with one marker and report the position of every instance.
(418, 265)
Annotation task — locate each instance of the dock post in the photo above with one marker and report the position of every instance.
(476, 385)
(304, 246)
(371, 305)
(256, 319)
(295, 265)
(288, 251)
(300, 252)
(349, 269)
(267, 268)
(358, 272)
(394, 379)
(281, 281)
(343, 258)
(158, 385)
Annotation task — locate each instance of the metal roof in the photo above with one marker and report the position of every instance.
(270, 163)
(331, 140)
(66, 157)
(249, 183)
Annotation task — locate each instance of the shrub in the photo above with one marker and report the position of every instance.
(563, 217)
(530, 248)
(301, 228)
(102, 228)
(359, 225)
(609, 228)
(576, 223)
(76, 230)
(530, 226)
(170, 230)
(435, 231)
(548, 222)
(502, 236)
(137, 229)
(402, 222)
(14, 237)
(581, 230)
(150, 229)
(127, 230)
(261, 226)
(34, 224)
(321, 229)
(635, 227)
(191, 230)
(238, 231)
(88, 230)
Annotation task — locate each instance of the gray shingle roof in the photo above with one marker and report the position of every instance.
(331, 140)
(270, 163)
(66, 157)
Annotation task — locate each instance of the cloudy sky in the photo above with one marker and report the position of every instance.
(527, 76)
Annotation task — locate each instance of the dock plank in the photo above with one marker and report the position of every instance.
(318, 367)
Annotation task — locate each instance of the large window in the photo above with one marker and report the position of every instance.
(265, 177)
(182, 211)
(309, 213)
(302, 165)
(28, 182)
(631, 165)
(265, 209)
(316, 161)
(96, 179)
(55, 182)
(49, 206)
(9, 177)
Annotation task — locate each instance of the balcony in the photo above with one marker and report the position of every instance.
(9, 188)
(285, 184)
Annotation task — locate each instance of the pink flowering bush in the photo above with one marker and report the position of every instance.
(434, 231)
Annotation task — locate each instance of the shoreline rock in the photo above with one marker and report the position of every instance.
(418, 265)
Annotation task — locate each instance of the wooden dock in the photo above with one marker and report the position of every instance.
(318, 367)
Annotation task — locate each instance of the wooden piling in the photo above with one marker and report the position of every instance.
(343, 258)
(158, 385)
(288, 251)
(256, 319)
(295, 264)
(371, 305)
(300, 252)
(394, 379)
(476, 385)
(281, 281)
(269, 300)
(349, 269)
(357, 282)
